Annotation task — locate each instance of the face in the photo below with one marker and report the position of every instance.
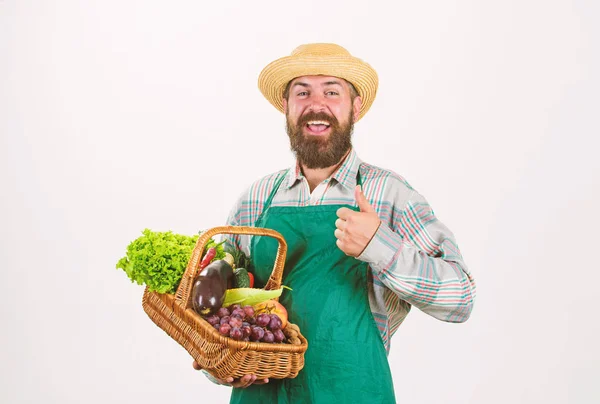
(320, 117)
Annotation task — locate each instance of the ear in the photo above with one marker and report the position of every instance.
(285, 105)
(356, 107)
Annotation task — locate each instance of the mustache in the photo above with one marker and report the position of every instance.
(317, 116)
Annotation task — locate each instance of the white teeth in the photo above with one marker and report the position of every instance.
(318, 123)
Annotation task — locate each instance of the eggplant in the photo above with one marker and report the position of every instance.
(208, 291)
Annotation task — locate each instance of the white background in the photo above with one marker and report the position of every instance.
(121, 115)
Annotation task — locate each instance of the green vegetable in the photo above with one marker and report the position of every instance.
(249, 296)
(239, 258)
(242, 280)
(158, 259)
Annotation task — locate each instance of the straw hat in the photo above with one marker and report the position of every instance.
(314, 59)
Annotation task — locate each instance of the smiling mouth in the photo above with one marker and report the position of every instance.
(317, 127)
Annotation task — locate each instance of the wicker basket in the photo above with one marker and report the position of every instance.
(222, 356)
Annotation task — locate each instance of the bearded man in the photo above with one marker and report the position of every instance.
(363, 245)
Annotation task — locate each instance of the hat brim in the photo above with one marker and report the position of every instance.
(276, 75)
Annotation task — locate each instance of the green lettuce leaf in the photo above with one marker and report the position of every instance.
(158, 259)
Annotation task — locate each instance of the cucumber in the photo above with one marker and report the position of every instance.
(242, 280)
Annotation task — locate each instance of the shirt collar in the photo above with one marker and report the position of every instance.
(345, 174)
(294, 175)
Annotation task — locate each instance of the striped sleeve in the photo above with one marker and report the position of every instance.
(419, 260)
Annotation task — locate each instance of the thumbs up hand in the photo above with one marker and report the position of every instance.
(354, 230)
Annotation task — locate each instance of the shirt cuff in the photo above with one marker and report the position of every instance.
(383, 249)
(213, 379)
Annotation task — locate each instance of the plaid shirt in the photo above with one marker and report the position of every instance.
(413, 258)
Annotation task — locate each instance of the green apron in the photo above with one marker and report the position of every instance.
(346, 360)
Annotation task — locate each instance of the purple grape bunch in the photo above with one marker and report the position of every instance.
(243, 324)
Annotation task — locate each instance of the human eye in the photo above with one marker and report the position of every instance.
(302, 93)
(331, 92)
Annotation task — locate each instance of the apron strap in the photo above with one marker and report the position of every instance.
(274, 191)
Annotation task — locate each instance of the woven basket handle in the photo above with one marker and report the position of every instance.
(184, 291)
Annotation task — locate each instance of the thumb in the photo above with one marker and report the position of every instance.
(361, 200)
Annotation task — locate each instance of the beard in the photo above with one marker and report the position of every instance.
(317, 151)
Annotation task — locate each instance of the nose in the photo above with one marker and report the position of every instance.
(317, 103)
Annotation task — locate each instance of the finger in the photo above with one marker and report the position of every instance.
(341, 245)
(361, 200)
(346, 249)
(252, 380)
(261, 381)
(339, 234)
(196, 366)
(344, 213)
(246, 381)
(340, 224)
